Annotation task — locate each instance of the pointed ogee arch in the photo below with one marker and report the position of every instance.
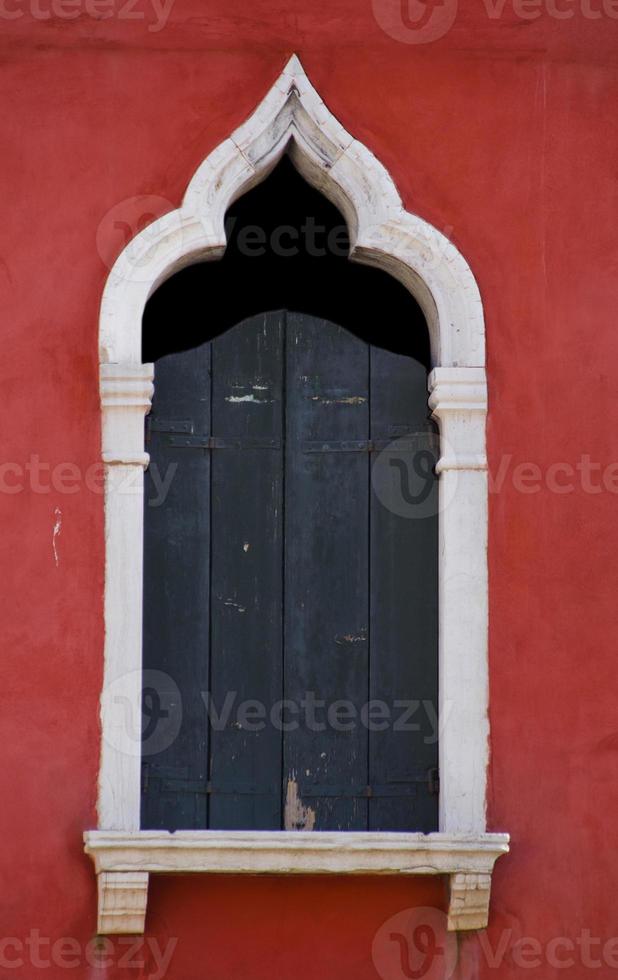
(293, 119)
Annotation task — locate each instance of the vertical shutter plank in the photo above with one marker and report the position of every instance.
(326, 574)
(404, 612)
(246, 574)
(176, 597)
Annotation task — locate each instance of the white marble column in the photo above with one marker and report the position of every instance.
(126, 393)
(458, 401)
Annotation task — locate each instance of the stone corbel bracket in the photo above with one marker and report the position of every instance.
(124, 861)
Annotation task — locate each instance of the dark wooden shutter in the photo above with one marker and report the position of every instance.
(247, 514)
(326, 568)
(403, 757)
(177, 594)
(275, 573)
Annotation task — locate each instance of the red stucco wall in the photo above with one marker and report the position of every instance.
(504, 134)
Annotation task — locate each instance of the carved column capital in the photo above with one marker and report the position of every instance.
(126, 397)
(457, 389)
(126, 385)
(458, 400)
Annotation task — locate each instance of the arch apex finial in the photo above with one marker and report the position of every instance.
(294, 66)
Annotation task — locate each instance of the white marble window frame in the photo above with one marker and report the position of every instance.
(292, 118)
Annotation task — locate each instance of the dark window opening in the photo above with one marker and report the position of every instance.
(287, 249)
(290, 545)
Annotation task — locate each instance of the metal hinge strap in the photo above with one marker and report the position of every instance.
(216, 442)
(347, 446)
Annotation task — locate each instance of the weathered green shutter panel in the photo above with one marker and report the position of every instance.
(280, 570)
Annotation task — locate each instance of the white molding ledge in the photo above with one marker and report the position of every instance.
(124, 861)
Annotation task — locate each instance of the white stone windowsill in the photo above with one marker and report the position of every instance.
(124, 860)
